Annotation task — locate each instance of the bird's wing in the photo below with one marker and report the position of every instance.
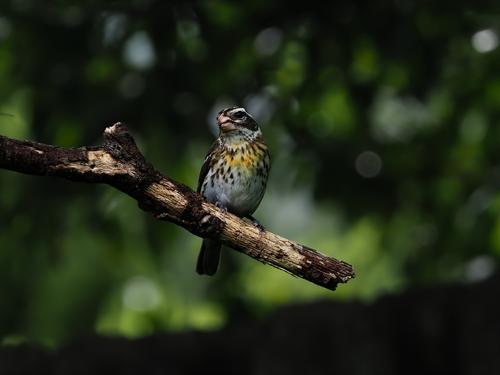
(207, 163)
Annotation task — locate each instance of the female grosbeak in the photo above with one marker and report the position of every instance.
(233, 176)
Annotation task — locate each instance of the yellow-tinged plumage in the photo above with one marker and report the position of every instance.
(248, 159)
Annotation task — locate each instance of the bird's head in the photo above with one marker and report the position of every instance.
(235, 121)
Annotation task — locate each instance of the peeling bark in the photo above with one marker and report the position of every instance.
(119, 163)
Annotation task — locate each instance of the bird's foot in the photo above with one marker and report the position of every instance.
(256, 224)
(221, 206)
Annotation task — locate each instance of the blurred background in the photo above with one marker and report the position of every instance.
(382, 120)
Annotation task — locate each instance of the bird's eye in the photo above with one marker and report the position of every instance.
(239, 115)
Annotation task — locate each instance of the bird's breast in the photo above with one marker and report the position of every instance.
(238, 178)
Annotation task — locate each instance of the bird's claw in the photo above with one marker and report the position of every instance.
(260, 227)
(221, 206)
(257, 224)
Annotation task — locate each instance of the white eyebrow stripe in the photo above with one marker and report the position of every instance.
(240, 109)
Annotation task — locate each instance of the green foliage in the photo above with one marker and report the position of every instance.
(381, 121)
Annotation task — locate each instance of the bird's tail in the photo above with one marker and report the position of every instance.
(208, 259)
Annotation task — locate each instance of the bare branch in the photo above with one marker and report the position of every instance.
(119, 163)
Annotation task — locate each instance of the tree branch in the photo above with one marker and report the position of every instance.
(120, 164)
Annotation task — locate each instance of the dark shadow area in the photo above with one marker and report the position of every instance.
(441, 330)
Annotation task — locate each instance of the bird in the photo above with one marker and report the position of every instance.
(233, 176)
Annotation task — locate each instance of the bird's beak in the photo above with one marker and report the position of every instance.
(225, 123)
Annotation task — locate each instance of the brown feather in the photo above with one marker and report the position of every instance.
(207, 164)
